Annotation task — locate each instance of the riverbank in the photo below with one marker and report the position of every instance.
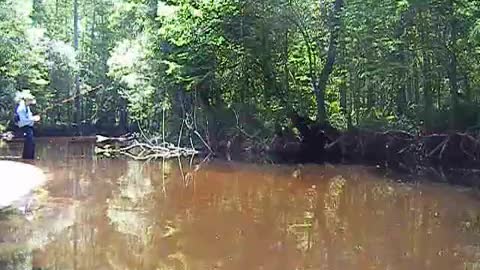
(450, 158)
(390, 148)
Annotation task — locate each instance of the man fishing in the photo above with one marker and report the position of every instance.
(25, 121)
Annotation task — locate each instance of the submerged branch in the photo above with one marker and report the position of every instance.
(147, 152)
(143, 151)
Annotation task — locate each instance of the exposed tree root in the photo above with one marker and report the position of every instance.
(393, 148)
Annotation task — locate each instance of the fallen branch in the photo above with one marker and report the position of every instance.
(10, 157)
(462, 147)
(151, 153)
(72, 98)
(104, 139)
(8, 136)
(444, 147)
(203, 141)
(144, 151)
(440, 146)
(192, 127)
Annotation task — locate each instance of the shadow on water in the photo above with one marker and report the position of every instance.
(120, 214)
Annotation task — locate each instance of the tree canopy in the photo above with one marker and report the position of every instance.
(215, 65)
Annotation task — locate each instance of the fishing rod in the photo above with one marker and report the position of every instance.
(71, 98)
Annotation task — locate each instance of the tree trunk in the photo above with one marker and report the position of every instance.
(38, 12)
(355, 90)
(320, 85)
(286, 70)
(427, 92)
(77, 102)
(416, 85)
(437, 88)
(88, 106)
(371, 98)
(426, 75)
(245, 77)
(406, 20)
(152, 9)
(402, 98)
(123, 119)
(468, 90)
(268, 72)
(452, 73)
(344, 103)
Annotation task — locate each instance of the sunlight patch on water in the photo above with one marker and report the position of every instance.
(18, 180)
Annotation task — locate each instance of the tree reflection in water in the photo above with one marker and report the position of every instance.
(127, 208)
(132, 215)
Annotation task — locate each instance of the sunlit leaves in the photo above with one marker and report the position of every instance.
(402, 5)
(261, 53)
(125, 56)
(61, 56)
(165, 10)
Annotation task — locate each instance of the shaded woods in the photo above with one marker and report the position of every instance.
(308, 80)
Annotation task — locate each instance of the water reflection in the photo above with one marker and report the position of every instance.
(23, 234)
(127, 208)
(118, 214)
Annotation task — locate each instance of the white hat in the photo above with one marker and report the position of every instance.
(24, 95)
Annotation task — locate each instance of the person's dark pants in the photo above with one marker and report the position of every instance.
(28, 144)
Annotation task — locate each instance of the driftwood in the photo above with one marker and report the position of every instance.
(142, 151)
(10, 157)
(125, 138)
(130, 147)
(7, 136)
(141, 147)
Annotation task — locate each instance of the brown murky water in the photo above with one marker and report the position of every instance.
(119, 214)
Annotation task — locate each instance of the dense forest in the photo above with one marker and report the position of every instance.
(225, 67)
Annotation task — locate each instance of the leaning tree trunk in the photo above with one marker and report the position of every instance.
(320, 85)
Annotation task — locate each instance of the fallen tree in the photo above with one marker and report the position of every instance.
(130, 146)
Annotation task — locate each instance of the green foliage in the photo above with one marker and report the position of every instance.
(397, 63)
